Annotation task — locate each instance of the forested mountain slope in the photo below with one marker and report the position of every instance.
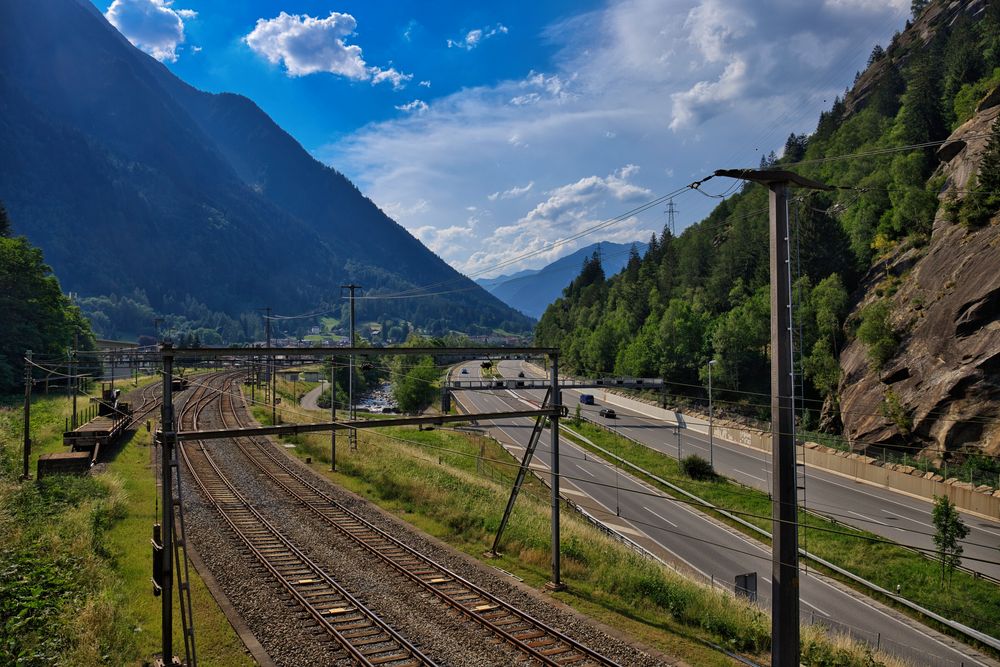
(148, 195)
(902, 239)
(532, 290)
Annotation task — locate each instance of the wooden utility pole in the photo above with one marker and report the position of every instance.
(784, 504)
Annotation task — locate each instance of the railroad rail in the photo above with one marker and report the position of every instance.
(527, 634)
(362, 634)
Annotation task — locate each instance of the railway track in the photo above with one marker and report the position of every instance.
(362, 634)
(529, 635)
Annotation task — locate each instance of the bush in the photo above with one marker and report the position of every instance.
(696, 467)
(877, 333)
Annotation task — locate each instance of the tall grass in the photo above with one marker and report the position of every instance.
(75, 559)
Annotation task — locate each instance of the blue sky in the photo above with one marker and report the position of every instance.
(491, 130)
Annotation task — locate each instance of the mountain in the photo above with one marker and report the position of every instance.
(137, 185)
(532, 290)
(896, 290)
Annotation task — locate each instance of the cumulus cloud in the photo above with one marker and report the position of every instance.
(416, 106)
(474, 38)
(678, 89)
(705, 97)
(307, 45)
(151, 25)
(515, 191)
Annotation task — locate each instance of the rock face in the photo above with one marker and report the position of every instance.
(942, 388)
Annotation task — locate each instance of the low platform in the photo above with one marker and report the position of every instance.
(63, 463)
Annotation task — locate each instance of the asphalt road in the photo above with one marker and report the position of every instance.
(695, 543)
(896, 516)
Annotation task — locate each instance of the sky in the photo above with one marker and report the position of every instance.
(492, 131)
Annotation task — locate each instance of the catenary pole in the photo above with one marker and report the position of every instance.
(74, 380)
(27, 415)
(784, 511)
(333, 413)
(166, 481)
(350, 368)
(784, 505)
(556, 583)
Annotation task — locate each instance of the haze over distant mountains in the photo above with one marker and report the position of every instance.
(532, 290)
(134, 183)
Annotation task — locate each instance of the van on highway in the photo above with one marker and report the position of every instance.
(587, 399)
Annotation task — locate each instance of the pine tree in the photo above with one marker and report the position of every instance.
(5, 227)
(984, 199)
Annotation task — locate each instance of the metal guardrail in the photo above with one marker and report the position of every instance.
(965, 630)
(545, 383)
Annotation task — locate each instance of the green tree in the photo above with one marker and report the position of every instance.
(877, 333)
(949, 529)
(414, 379)
(37, 316)
(5, 227)
(416, 388)
(984, 198)
(740, 343)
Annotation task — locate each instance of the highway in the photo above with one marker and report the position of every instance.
(694, 543)
(896, 516)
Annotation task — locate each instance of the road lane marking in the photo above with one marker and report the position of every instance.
(919, 523)
(659, 516)
(868, 518)
(749, 475)
(806, 603)
(586, 471)
(985, 530)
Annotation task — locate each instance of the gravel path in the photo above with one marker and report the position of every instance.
(283, 629)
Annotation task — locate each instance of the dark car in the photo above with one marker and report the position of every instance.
(521, 374)
(465, 371)
(608, 413)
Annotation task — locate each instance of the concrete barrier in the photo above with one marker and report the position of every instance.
(984, 500)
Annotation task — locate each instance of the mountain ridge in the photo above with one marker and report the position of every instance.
(134, 182)
(530, 291)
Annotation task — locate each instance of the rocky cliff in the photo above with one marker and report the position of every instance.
(941, 389)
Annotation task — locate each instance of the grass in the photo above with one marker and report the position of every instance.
(454, 485)
(974, 602)
(75, 559)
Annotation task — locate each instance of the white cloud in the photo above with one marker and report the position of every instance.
(425, 84)
(416, 106)
(515, 191)
(151, 25)
(704, 97)
(474, 38)
(682, 87)
(307, 45)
